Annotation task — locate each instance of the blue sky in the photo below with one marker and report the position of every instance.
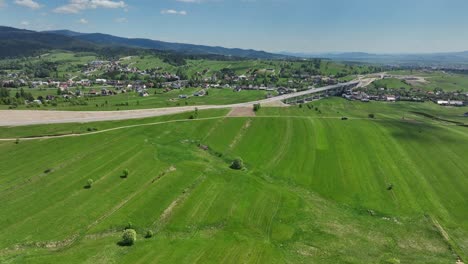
(377, 26)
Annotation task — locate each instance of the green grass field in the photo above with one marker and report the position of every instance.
(391, 83)
(449, 82)
(315, 188)
(158, 100)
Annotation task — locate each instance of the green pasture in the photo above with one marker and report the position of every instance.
(156, 99)
(315, 188)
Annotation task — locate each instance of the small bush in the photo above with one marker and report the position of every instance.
(89, 183)
(256, 107)
(129, 226)
(125, 173)
(129, 237)
(149, 234)
(17, 141)
(371, 116)
(237, 164)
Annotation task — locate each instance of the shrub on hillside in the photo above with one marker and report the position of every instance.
(371, 116)
(89, 183)
(129, 237)
(256, 107)
(149, 234)
(195, 114)
(129, 226)
(125, 173)
(237, 164)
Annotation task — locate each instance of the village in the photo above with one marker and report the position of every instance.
(144, 83)
(374, 92)
(127, 78)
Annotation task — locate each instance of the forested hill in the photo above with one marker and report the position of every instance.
(105, 39)
(18, 42)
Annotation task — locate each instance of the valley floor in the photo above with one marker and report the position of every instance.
(316, 188)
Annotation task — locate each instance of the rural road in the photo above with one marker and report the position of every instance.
(35, 117)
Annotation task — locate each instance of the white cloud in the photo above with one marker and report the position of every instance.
(24, 23)
(28, 3)
(76, 6)
(173, 12)
(83, 21)
(199, 1)
(121, 20)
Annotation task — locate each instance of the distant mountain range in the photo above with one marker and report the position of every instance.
(19, 42)
(435, 59)
(104, 39)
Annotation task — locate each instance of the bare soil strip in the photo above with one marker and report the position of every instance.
(242, 112)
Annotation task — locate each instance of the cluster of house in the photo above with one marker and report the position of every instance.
(363, 97)
(450, 102)
(200, 93)
(109, 66)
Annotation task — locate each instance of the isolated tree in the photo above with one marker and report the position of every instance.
(371, 116)
(129, 237)
(237, 164)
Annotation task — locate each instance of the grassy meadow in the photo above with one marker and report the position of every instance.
(155, 99)
(446, 81)
(316, 188)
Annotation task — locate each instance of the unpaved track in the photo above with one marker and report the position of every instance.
(35, 117)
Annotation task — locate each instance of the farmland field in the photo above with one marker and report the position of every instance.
(449, 82)
(316, 188)
(155, 99)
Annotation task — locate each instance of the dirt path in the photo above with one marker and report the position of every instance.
(242, 111)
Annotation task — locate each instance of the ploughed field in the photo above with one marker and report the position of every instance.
(316, 188)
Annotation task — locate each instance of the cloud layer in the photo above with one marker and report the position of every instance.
(76, 6)
(28, 3)
(173, 12)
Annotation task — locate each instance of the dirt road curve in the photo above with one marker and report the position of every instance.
(34, 117)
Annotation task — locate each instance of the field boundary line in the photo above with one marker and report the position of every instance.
(190, 120)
